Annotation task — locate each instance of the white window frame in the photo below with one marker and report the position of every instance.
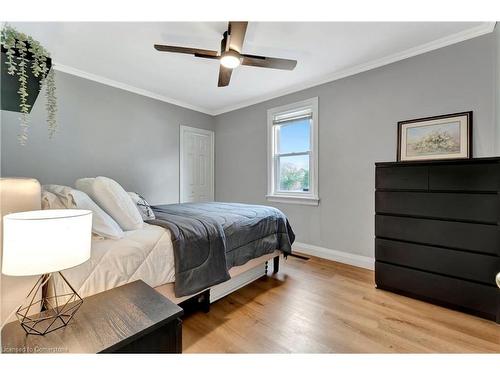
(310, 197)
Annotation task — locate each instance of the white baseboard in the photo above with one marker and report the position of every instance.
(335, 255)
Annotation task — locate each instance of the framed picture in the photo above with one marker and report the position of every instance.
(436, 138)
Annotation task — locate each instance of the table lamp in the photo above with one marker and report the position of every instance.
(41, 243)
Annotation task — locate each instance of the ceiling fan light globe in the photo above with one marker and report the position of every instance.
(230, 61)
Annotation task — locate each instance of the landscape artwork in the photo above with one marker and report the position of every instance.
(433, 139)
(438, 137)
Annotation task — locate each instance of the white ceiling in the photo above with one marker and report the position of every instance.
(122, 54)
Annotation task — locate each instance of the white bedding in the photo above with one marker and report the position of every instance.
(145, 254)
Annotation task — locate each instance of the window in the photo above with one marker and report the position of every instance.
(293, 153)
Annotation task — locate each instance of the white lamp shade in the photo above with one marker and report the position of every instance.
(45, 241)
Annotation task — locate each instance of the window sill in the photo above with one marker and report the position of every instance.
(308, 201)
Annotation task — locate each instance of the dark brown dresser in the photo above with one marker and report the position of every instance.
(437, 229)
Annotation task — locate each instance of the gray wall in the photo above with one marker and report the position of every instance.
(357, 127)
(134, 139)
(102, 131)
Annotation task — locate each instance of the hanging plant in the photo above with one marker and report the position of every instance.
(25, 54)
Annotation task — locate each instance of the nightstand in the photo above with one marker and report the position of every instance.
(132, 318)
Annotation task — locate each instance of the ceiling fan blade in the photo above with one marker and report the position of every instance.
(224, 76)
(190, 51)
(223, 43)
(211, 57)
(268, 62)
(236, 31)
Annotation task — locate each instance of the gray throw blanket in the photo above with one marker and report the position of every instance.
(210, 238)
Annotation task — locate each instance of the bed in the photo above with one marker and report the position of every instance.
(187, 250)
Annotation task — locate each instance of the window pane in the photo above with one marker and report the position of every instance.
(293, 173)
(294, 136)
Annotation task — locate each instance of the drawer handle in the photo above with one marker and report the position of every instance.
(498, 279)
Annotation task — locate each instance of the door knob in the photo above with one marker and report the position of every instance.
(498, 279)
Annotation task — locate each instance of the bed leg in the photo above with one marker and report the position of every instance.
(276, 264)
(205, 301)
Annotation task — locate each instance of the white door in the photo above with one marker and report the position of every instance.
(196, 165)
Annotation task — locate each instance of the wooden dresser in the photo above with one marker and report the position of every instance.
(437, 228)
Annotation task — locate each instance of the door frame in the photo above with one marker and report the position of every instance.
(211, 134)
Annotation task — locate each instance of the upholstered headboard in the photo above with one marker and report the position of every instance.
(16, 195)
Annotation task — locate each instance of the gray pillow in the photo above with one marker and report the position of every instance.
(143, 206)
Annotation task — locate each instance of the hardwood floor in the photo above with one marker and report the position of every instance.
(319, 306)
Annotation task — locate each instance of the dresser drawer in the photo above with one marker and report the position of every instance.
(482, 300)
(456, 206)
(465, 265)
(414, 178)
(467, 177)
(473, 237)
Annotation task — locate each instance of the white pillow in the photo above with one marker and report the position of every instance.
(58, 196)
(102, 223)
(113, 199)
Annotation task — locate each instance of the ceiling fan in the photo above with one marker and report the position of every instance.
(230, 56)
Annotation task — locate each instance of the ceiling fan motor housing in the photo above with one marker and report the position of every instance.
(230, 59)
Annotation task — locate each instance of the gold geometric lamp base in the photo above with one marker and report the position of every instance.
(46, 314)
(43, 242)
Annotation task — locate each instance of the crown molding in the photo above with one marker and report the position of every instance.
(485, 28)
(123, 86)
